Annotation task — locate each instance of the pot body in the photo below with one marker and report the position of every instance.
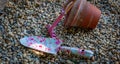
(82, 14)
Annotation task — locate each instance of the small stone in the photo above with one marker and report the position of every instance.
(7, 41)
(22, 34)
(11, 34)
(117, 62)
(69, 62)
(25, 61)
(0, 54)
(114, 58)
(24, 55)
(91, 47)
(37, 62)
(95, 62)
(2, 29)
(15, 59)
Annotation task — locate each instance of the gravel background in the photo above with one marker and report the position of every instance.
(26, 18)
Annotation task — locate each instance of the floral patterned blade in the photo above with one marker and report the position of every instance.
(48, 45)
(52, 45)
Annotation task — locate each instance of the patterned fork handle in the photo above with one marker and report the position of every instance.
(51, 28)
(52, 32)
(63, 12)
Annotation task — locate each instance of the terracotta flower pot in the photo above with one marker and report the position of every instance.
(82, 14)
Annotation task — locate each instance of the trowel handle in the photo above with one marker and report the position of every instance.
(77, 51)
